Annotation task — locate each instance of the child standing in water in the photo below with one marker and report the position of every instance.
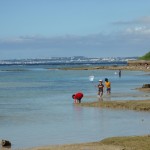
(108, 86)
(100, 88)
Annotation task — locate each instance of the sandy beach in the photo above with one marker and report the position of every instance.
(114, 143)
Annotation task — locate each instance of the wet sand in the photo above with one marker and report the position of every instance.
(138, 105)
(131, 68)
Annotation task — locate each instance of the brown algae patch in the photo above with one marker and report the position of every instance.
(139, 105)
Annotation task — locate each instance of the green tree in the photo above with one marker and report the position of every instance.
(145, 57)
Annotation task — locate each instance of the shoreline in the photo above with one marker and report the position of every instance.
(112, 143)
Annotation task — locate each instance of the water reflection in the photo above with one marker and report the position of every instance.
(107, 98)
(5, 148)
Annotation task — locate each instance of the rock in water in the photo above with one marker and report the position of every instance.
(5, 143)
(146, 86)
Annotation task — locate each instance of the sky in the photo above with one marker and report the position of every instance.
(66, 28)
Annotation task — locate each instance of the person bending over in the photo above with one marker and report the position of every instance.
(77, 97)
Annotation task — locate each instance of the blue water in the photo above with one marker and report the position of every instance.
(36, 107)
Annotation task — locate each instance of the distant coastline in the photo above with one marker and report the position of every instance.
(67, 60)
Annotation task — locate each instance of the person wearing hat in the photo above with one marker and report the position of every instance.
(100, 88)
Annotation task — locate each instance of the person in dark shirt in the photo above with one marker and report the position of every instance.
(77, 97)
(100, 88)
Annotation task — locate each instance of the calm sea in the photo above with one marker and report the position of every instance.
(36, 107)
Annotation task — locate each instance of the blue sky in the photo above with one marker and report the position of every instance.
(91, 28)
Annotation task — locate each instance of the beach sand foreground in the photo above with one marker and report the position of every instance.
(88, 146)
(114, 143)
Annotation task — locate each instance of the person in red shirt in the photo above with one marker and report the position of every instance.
(77, 97)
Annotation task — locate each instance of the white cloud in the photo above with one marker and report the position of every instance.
(138, 30)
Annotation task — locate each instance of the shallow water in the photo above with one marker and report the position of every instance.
(36, 107)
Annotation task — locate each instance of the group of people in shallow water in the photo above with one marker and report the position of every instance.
(78, 96)
(101, 87)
